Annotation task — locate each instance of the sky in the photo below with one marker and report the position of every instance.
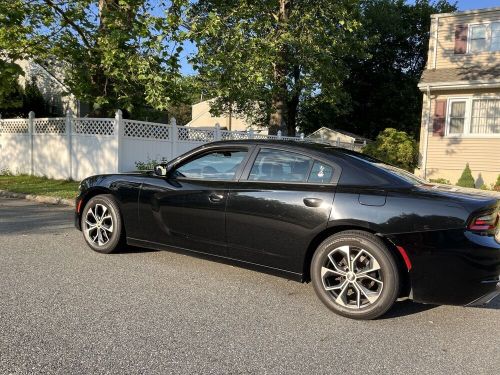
(462, 5)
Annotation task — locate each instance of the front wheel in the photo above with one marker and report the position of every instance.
(355, 275)
(102, 224)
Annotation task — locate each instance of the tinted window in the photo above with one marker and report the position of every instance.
(217, 165)
(320, 173)
(277, 165)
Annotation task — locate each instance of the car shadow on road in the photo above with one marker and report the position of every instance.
(404, 308)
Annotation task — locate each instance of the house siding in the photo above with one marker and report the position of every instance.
(447, 156)
(446, 57)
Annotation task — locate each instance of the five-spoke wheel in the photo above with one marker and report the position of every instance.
(355, 275)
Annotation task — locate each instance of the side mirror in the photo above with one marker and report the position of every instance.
(161, 169)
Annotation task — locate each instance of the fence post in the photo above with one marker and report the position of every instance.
(352, 144)
(279, 134)
(302, 135)
(338, 141)
(250, 133)
(175, 137)
(70, 143)
(118, 137)
(217, 132)
(31, 130)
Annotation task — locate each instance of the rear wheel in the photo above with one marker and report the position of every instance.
(102, 224)
(355, 275)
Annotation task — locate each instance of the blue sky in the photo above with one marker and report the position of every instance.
(477, 4)
(462, 5)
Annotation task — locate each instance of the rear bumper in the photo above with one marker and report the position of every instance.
(453, 267)
(487, 298)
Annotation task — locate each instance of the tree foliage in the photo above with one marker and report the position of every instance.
(394, 147)
(112, 53)
(382, 89)
(11, 93)
(466, 179)
(264, 58)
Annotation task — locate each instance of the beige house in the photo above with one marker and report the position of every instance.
(334, 136)
(202, 118)
(51, 85)
(461, 97)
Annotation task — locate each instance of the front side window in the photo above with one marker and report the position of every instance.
(216, 165)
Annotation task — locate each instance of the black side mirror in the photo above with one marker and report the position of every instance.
(161, 169)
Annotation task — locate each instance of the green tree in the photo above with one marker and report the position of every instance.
(112, 53)
(394, 147)
(11, 93)
(497, 184)
(466, 180)
(383, 88)
(265, 58)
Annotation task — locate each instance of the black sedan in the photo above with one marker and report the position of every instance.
(365, 233)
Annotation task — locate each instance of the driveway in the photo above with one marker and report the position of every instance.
(65, 309)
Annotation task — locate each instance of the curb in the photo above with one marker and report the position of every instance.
(38, 198)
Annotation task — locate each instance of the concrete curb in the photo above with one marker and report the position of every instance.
(37, 198)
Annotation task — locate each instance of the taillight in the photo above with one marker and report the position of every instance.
(485, 222)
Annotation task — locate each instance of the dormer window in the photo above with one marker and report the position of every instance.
(484, 37)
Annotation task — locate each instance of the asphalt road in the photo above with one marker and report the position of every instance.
(65, 309)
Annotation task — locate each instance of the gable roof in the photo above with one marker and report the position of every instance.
(331, 132)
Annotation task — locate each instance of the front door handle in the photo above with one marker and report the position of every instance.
(313, 202)
(215, 198)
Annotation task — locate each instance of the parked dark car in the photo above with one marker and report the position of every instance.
(365, 233)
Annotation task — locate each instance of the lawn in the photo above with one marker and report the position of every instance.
(39, 186)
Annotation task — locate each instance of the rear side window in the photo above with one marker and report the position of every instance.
(320, 173)
(278, 165)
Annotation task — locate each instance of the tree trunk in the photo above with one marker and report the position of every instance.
(279, 99)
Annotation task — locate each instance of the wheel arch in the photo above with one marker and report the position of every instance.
(89, 194)
(320, 237)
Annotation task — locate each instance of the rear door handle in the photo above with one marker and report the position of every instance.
(313, 202)
(215, 198)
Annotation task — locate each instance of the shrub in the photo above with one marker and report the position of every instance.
(394, 147)
(440, 181)
(466, 180)
(149, 164)
(496, 186)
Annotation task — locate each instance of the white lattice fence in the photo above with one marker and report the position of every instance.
(146, 130)
(94, 126)
(75, 148)
(14, 126)
(50, 125)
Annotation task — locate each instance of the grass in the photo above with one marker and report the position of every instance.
(39, 186)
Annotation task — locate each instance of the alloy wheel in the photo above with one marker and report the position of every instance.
(352, 276)
(99, 224)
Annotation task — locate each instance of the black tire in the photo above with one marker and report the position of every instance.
(378, 290)
(115, 237)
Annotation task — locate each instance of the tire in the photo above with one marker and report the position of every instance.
(365, 287)
(101, 224)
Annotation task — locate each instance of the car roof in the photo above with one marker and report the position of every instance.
(357, 169)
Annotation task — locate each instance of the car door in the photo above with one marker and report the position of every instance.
(187, 207)
(281, 202)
